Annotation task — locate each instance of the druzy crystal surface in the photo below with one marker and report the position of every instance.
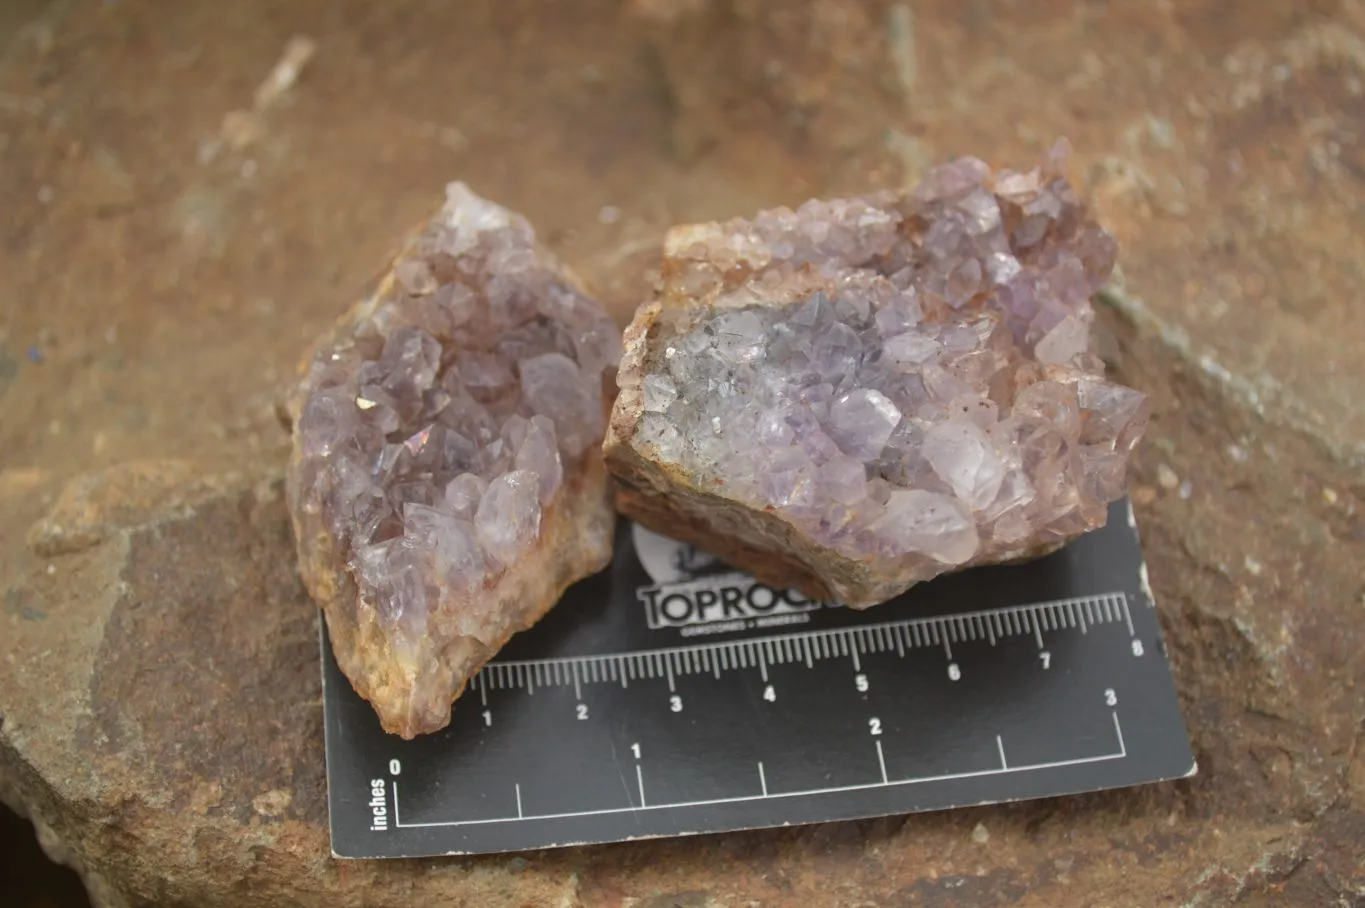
(862, 394)
(447, 483)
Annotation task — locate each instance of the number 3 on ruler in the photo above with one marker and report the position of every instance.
(675, 703)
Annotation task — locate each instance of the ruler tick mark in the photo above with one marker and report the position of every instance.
(831, 644)
(808, 646)
(946, 777)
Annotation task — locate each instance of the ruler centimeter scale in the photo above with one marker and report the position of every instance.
(596, 726)
(843, 642)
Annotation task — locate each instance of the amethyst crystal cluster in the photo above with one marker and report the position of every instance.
(862, 394)
(446, 483)
(849, 398)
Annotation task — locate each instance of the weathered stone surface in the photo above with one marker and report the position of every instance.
(113, 661)
(446, 485)
(169, 297)
(862, 394)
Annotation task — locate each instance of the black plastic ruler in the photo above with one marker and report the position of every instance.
(669, 695)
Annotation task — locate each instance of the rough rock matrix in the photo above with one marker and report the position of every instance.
(862, 394)
(446, 485)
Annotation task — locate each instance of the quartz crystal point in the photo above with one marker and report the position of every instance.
(446, 482)
(862, 394)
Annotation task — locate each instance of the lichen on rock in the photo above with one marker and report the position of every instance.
(446, 483)
(861, 394)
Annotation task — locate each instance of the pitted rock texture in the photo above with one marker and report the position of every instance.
(446, 483)
(159, 684)
(865, 393)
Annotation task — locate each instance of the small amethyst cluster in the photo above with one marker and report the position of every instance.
(898, 377)
(433, 437)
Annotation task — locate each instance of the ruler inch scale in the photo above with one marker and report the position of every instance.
(670, 695)
(765, 794)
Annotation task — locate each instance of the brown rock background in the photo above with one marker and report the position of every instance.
(161, 270)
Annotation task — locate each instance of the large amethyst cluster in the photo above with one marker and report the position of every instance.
(861, 394)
